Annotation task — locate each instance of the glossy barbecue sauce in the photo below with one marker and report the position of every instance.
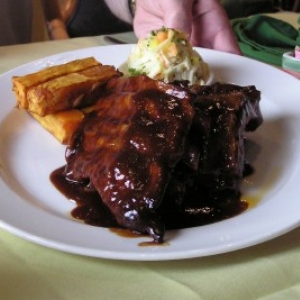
(90, 209)
(196, 207)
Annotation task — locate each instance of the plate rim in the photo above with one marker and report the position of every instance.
(138, 256)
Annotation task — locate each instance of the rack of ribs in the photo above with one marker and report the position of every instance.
(165, 155)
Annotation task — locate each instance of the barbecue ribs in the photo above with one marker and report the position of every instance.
(165, 155)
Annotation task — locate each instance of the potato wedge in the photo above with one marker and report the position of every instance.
(62, 87)
(61, 125)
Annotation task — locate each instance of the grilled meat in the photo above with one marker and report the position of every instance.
(128, 146)
(165, 155)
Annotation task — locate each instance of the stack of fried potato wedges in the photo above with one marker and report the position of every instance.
(58, 96)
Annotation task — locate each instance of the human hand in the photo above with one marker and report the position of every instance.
(204, 21)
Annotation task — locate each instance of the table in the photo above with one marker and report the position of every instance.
(28, 271)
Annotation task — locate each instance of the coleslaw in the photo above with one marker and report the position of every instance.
(166, 54)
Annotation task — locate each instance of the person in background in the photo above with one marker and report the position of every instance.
(204, 21)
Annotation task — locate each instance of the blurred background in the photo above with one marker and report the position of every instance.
(31, 21)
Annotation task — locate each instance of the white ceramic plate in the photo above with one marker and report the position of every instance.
(34, 210)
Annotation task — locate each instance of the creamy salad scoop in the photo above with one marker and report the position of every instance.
(166, 54)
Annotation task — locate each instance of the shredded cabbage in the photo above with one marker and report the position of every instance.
(167, 55)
